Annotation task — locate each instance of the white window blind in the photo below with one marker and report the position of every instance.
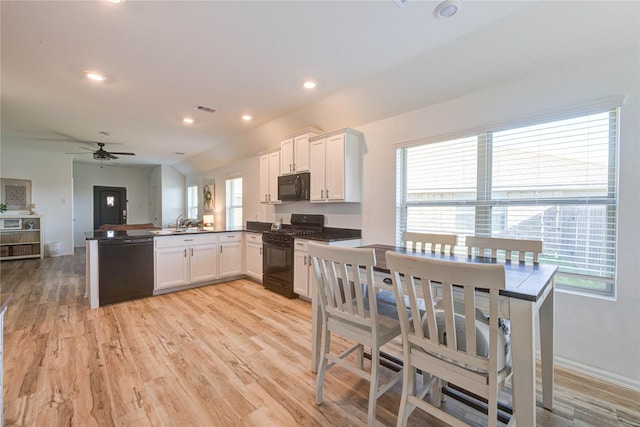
(554, 181)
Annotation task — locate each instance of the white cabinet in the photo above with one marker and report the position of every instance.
(303, 266)
(335, 166)
(294, 151)
(301, 269)
(269, 171)
(253, 255)
(183, 260)
(21, 236)
(230, 255)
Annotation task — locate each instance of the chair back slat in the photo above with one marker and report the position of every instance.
(445, 242)
(478, 245)
(345, 284)
(442, 324)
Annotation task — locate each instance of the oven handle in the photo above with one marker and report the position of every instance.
(276, 244)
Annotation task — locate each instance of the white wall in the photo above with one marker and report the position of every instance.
(173, 195)
(51, 188)
(595, 335)
(599, 336)
(88, 175)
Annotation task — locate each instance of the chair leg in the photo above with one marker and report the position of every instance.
(408, 388)
(438, 396)
(322, 368)
(360, 356)
(373, 386)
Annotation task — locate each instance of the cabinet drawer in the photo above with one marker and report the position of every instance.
(254, 237)
(230, 237)
(300, 245)
(186, 240)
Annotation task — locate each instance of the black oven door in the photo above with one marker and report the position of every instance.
(277, 267)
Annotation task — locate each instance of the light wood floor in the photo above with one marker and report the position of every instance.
(224, 355)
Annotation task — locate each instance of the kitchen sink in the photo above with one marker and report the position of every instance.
(176, 231)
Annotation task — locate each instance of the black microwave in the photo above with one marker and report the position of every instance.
(294, 187)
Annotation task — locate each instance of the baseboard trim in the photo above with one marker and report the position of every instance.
(600, 374)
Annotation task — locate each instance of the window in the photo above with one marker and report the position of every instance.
(234, 202)
(554, 181)
(192, 201)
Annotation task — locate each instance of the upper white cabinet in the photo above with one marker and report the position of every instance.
(269, 171)
(335, 160)
(294, 151)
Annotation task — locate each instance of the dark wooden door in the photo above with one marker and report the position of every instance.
(109, 206)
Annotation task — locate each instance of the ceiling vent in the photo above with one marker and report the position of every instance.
(205, 109)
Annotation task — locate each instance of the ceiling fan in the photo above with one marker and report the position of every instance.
(102, 154)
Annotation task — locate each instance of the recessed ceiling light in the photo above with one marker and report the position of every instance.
(115, 1)
(94, 75)
(246, 117)
(188, 120)
(446, 9)
(309, 84)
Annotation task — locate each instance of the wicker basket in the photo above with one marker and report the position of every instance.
(4, 251)
(10, 238)
(21, 250)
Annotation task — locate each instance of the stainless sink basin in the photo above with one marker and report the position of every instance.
(168, 231)
(165, 231)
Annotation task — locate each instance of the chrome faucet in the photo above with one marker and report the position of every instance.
(178, 222)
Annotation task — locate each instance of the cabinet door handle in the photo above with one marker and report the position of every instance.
(322, 194)
(185, 253)
(327, 192)
(191, 251)
(220, 249)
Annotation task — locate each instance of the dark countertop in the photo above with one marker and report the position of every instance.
(140, 234)
(329, 234)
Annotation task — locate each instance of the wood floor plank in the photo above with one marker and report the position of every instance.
(231, 354)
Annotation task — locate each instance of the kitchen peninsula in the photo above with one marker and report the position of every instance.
(158, 261)
(138, 263)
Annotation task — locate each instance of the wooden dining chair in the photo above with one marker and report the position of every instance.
(445, 242)
(350, 308)
(498, 247)
(458, 348)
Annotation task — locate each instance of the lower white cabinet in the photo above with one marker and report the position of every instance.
(230, 254)
(301, 269)
(253, 255)
(182, 260)
(303, 266)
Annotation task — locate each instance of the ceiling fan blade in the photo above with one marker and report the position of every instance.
(110, 155)
(85, 148)
(122, 154)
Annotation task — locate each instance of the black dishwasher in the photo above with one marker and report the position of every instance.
(125, 269)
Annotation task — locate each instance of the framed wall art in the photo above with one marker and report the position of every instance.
(16, 194)
(208, 196)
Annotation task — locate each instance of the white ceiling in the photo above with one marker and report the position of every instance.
(371, 59)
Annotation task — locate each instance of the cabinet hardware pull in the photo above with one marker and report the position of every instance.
(305, 260)
(322, 194)
(220, 249)
(191, 251)
(185, 253)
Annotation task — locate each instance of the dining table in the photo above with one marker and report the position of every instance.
(528, 295)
